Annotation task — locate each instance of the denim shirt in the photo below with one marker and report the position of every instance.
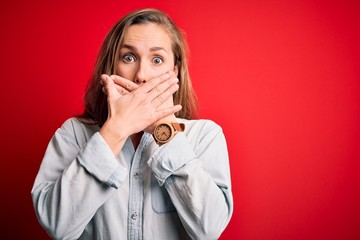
(180, 190)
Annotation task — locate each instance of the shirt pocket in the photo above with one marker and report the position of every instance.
(160, 199)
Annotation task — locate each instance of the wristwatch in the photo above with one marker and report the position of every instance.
(164, 132)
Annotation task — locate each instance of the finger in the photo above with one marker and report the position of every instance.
(149, 85)
(172, 74)
(102, 78)
(125, 83)
(121, 90)
(165, 112)
(160, 89)
(161, 98)
(109, 87)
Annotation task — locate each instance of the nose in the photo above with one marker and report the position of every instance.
(141, 74)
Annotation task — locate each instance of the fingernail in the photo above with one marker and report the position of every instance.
(112, 77)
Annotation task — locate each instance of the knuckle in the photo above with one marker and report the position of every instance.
(169, 92)
(169, 83)
(160, 98)
(152, 115)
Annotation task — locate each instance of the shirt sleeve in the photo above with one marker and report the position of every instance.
(74, 181)
(196, 174)
(163, 164)
(98, 159)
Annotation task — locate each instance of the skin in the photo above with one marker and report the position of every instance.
(140, 96)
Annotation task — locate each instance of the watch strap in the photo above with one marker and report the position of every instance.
(179, 127)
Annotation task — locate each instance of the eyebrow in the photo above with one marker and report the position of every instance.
(155, 49)
(152, 49)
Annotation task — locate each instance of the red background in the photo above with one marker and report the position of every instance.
(280, 77)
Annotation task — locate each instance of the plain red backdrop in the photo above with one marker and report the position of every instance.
(280, 77)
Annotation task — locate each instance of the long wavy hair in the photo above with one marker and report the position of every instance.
(96, 108)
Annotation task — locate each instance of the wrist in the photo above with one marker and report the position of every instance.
(113, 135)
(168, 119)
(166, 131)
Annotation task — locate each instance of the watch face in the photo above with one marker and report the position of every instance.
(163, 132)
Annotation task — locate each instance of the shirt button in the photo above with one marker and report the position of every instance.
(136, 175)
(134, 216)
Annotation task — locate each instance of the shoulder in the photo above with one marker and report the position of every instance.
(201, 128)
(77, 123)
(78, 130)
(200, 124)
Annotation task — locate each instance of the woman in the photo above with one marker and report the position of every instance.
(134, 165)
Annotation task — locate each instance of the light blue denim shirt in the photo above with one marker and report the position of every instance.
(180, 190)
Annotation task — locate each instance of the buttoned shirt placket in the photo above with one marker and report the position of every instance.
(135, 216)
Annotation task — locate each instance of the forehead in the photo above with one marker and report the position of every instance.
(147, 35)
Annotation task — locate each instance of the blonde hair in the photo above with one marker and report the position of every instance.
(96, 101)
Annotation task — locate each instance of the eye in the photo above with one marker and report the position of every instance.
(158, 60)
(128, 58)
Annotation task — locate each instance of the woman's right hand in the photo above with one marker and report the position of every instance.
(132, 111)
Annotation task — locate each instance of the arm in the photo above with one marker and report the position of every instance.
(197, 177)
(73, 182)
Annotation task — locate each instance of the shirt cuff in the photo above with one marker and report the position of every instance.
(98, 159)
(170, 157)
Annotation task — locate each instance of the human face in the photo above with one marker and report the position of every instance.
(145, 53)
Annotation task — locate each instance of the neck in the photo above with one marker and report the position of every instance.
(136, 138)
